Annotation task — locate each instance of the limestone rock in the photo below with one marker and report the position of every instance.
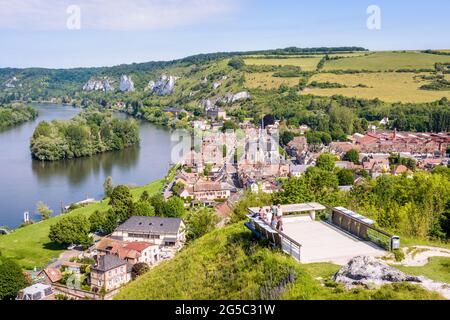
(369, 271)
(12, 83)
(102, 84)
(126, 84)
(164, 86)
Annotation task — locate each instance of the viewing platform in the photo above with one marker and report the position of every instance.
(337, 239)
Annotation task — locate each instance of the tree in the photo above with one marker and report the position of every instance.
(143, 209)
(294, 190)
(71, 230)
(237, 63)
(352, 156)
(108, 187)
(99, 222)
(321, 182)
(174, 208)
(44, 210)
(286, 137)
(145, 196)
(121, 202)
(229, 125)
(200, 223)
(12, 279)
(345, 177)
(157, 202)
(326, 162)
(139, 269)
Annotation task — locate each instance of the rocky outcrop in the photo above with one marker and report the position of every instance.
(216, 85)
(370, 272)
(229, 98)
(126, 84)
(103, 84)
(12, 83)
(164, 86)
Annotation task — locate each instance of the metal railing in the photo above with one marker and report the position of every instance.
(276, 237)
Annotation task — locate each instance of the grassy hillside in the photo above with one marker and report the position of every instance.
(387, 86)
(306, 64)
(31, 247)
(229, 264)
(384, 61)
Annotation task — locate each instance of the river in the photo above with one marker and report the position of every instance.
(25, 181)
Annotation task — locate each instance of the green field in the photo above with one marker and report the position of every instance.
(437, 269)
(31, 247)
(266, 81)
(306, 64)
(387, 86)
(229, 264)
(384, 61)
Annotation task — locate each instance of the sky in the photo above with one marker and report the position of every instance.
(82, 33)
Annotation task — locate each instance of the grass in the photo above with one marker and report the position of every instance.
(306, 64)
(383, 61)
(387, 86)
(266, 81)
(229, 264)
(31, 247)
(438, 269)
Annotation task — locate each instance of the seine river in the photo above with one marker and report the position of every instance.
(25, 181)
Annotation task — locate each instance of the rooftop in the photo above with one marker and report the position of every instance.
(150, 225)
(108, 262)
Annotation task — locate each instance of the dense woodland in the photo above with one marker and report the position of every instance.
(88, 133)
(12, 115)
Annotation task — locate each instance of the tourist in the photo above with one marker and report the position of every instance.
(280, 218)
(273, 223)
(261, 213)
(269, 217)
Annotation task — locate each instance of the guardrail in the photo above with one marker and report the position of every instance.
(277, 238)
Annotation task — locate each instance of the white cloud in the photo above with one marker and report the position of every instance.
(111, 14)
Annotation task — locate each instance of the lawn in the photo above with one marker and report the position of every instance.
(266, 81)
(438, 269)
(229, 264)
(306, 64)
(387, 86)
(31, 247)
(384, 61)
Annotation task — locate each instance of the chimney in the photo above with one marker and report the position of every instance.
(395, 134)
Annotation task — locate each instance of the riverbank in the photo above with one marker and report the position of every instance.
(30, 245)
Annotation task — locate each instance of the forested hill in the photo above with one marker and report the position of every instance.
(57, 82)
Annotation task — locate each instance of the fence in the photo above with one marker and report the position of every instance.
(277, 238)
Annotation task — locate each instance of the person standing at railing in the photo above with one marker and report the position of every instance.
(269, 216)
(262, 213)
(273, 222)
(280, 218)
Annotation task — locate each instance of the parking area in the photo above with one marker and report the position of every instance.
(322, 242)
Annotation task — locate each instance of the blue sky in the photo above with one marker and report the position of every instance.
(34, 32)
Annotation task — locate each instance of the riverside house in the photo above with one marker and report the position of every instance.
(110, 272)
(156, 230)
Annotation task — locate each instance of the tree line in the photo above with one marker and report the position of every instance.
(88, 133)
(12, 115)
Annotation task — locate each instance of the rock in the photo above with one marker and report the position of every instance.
(368, 271)
(244, 95)
(216, 85)
(206, 104)
(98, 85)
(164, 86)
(12, 83)
(126, 84)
